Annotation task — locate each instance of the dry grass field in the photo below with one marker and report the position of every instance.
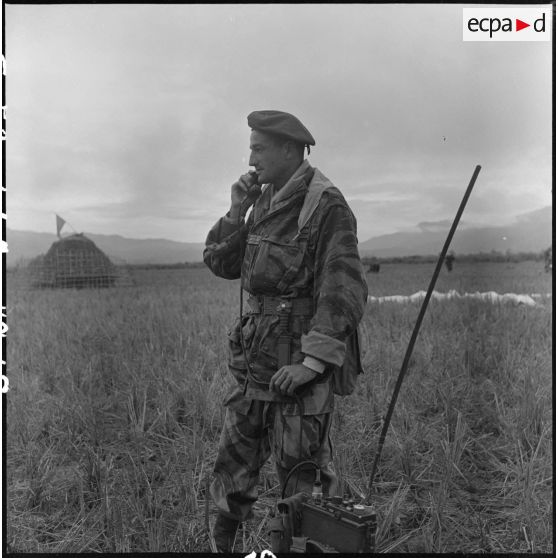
(114, 413)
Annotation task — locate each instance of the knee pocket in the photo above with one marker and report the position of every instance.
(290, 446)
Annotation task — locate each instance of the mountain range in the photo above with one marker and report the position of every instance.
(529, 232)
(24, 245)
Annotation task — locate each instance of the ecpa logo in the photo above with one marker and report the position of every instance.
(507, 24)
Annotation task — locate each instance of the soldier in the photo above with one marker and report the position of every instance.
(450, 258)
(548, 259)
(296, 254)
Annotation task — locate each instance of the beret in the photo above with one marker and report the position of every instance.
(281, 124)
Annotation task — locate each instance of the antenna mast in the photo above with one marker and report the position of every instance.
(414, 335)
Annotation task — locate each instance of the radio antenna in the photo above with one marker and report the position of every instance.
(414, 335)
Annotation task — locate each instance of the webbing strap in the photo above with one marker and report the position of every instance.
(318, 185)
(271, 305)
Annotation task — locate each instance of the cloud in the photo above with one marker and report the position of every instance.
(443, 226)
(140, 110)
(125, 210)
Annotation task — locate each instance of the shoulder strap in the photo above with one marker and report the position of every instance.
(317, 187)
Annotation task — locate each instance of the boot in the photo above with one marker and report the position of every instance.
(224, 533)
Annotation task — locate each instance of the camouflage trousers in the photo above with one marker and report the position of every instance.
(248, 440)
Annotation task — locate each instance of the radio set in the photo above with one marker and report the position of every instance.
(307, 524)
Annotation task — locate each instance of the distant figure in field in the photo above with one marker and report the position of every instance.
(374, 268)
(548, 259)
(449, 261)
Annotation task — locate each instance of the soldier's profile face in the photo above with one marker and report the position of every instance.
(267, 156)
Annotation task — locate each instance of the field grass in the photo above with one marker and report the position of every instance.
(115, 409)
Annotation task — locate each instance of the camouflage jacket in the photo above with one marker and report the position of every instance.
(274, 259)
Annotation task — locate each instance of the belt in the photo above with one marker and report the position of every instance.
(274, 305)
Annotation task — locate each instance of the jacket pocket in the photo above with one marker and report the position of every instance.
(236, 352)
(272, 264)
(237, 402)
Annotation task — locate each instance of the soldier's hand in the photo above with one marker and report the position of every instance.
(288, 378)
(243, 194)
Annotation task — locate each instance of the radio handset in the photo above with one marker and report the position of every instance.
(254, 190)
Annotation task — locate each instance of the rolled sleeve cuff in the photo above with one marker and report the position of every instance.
(314, 364)
(323, 347)
(227, 238)
(228, 225)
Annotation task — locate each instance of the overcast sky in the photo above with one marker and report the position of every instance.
(131, 119)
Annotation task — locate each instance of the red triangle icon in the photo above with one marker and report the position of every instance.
(519, 25)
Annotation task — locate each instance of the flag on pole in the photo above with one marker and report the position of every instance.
(59, 224)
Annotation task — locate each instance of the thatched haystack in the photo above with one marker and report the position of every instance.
(73, 262)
